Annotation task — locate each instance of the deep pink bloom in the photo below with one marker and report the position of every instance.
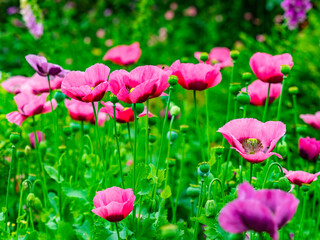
(260, 211)
(14, 84)
(123, 115)
(219, 56)
(88, 86)
(300, 177)
(124, 55)
(267, 67)
(80, 111)
(114, 204)
(252, 139)
(258, 92)
(40, 136)
(312, 120)
(196, 76)
(29, 105)
(43, 68)
(140, 84)
(309, 148)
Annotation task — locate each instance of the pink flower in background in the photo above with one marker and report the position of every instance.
(88, 86)
(295, 11)
(219, 56)
(114, 204)
(252, 139)
(14, 84)
(190, 11)
(123, 115)
(124, 55)
(35, 27)
(169, 15)
(309, 148)
(312, 120)
(260, 211)
(300, 177)
(40, 84)
(43, 68)
(267, 67)
(28, 106)
(140, 84)
(196, 76)
(40, 136)
(80, 111)
(258, 92)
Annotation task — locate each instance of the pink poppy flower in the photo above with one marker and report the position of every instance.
(102, 118)
(196, 76)
(114, 204)
(123, 115)
(29, 105)
(40, 136)
(40, 84)
(43, 68)
(88, 86)
(309, 148)
(14, 84)
(140, 84)
(260, 211)
(252, 139)
(258, 92)
(300, 177)
(312, 120)
(267, 67)
(124, 55)
(219, 56)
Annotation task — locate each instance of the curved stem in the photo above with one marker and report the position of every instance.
(197, 124)
(266, 104)
(147, 134)
(221, 186)
(269, 169)
(280, 99)
(99, 149)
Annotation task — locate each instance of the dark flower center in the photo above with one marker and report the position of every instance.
(251, 145)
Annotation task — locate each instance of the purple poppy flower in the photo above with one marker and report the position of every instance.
(260, 211)
(43, 68)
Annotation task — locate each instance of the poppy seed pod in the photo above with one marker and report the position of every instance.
(293, 90)
(172, 80)
(193, 192)
(219, 150)
(204, 56)
(67, 131)
(113, 98)
(210, 208)
(153, 121)
(174, 135)
(14, 137)
(285, 69)
(234, 54)
(20, 154)
(204, 169)
(246, 77)
(59, 97)
(152, 138)
(284, 184)
(243, 98)
(235, 88)
(174, 110)
(75, 127)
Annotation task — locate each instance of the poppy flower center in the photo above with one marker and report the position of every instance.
(92, 88)
(131, 90)
(214, 61)
(251, 145)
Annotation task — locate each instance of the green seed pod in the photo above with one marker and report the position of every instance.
(211, 208)
(153, 121)
(235, 88)
(139, 108)
(219, 150)
(152, 138)
(246, 77)
(184, 128)
(113, 98)
(20, 154)
(285, 69)
(32, 178)
(59, 97)
(172, 80)
(234, 54)
(86, 129)
(37, 205)
(305, 187)
(67, 131)
(293, 90)
(282, 148)
(174, 135)
(14, 137)
(169, 231)
(243, 98)
(75, 127)
(30, 199)
(27, 150)
(193, 192)
(204, 56)
(204, 170)
(174, 111)
(284, 184)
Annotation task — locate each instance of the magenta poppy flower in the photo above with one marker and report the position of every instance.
(196, 76)
(309, 148)
(140, 84)
(258, 92)
(80, 111)
(88, 86)
(252, 139)
(14, 84)
(114, 204)
(219, 56)
(260, 211)
(40, 136)
(300, 177)
(312, 120)
(28, 106)
(43, 68)
(124, 55)
(267, 67)
(123, 115)
(40, 84)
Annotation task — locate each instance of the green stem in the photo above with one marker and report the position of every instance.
(207, 116)
(251, 170)
(221, 187)
(117, 142)
(305, 196)
(168, 153)
(31, 219)
(195, 234)
(240, 169)
(280, 99)
(227, 166)
(269, 169)
(294, 100)
(79, 162)
(117, 230)
(135, 156)
(197, 124)
(147, 134)
(99, 149)
(129, 134)
(266, 104)
(235, 108)
(229, 93)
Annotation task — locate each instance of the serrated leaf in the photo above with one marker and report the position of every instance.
(145, 187)
(166, 193)
(72, 193)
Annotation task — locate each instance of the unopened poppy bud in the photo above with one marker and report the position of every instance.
(246, 77)
(285, 69)
(169, 231)
(59, 97)
(174, 136)
(37, 205)
(152, 138)
(14, 137)
(67, 131)
(113, 98)
(219, 150)
(305, 187)
(153, 121)
(193, 192)
(32, 178)
(139, 107)
(210, 208)
(293, 90)
(30, 199)
(174, 110)
(235, 88)
(184, 128)
(284, 184)
(62, 149)
(25, 185)
(236, 237)
(86, 129)
(75, 127)
(20, 154)
(234, 54)
(27, 150)
(204, 56)
(204, 169)
(282, 148)
(172, 80)
(243, 98)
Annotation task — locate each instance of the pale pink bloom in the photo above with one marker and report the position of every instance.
(219, 56)
(300, 177)
(124, 55)
(190, 11)
(14, 84)
(40, 136)
(169, 15)
(312, 120)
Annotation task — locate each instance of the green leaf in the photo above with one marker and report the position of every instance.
(145, 187)
(53, 173)
(72, 193)
(32, 236)
(166, 193)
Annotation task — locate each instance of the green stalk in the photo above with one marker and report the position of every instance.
(147, 135)
(251, 170)
(117, 230)
(197, 124)
(99, 149)
(266, 104)
(240, 169)
(280, 99)
(269, 169)
(79, 162)
(135, 157)
(305, 196)
(207, 116)
(235, 108)
(294, 100)
(221, 187)
(229, 93)
(227, 166)
(129, 135)
(169, 147)
(195, 233)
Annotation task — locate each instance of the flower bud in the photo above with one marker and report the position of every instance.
(14, 137)
(172, 80)
(193, 192)
(235, 88)
(204, 56)
(30, 199)
(285, 69)
(174, 110)
(139, 107)
(210, 208)
(75, 127)
(293, 90)
(153, 121)
(184, 128)
(20, 154)
(219, 150)
(284, 184)
(305, 187)
(59, 97)
(243, 98)
(203, 169)
(37, 205)
(27, 150)
(169, 231)
(32, 178)
(174, 136)
(43, 146)
(152, 138)
(113, 98)
(282, 148)
(67, 131)
(246, 77)
(25, 185)
(234, 54)
(86, 129)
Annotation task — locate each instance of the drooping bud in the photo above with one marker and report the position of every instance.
(14, 137)
(59, 97)
(27, 150)
(172, 80)
(284, 184)
(37, 204)
(234, 54)
(285, 69)
(30, 199)
(211, 208)
(243, 98)
(282, 148)
(204, 56)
